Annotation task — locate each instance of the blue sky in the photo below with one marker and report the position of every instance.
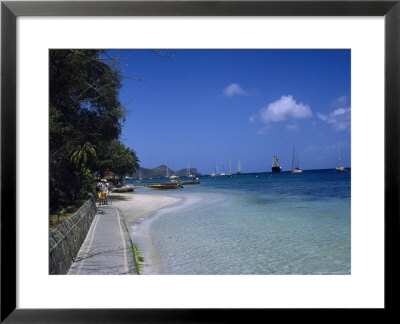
(197, 106)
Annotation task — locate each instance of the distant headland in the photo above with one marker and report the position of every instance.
(163, 171)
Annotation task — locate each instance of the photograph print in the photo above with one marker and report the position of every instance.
(200, 161)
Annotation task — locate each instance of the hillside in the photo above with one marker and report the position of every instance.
(183, 172)
(161, 172)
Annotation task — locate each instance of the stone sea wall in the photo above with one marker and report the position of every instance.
(67, 238)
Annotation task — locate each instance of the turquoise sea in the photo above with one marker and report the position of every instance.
(260, 223)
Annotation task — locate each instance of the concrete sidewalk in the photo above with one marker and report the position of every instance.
(107, 249)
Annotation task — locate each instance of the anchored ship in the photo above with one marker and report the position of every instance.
(276, 168)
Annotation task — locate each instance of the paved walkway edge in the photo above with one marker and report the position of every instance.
(132, 244)
(107, 248)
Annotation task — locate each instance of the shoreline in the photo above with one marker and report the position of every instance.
(136, 208)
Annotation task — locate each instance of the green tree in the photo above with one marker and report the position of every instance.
(125, 161)
(118, 158)
(84, 114)
(81, 154)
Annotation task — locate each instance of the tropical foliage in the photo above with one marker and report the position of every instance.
(85, 122)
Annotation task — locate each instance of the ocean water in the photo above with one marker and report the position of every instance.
(253, 224)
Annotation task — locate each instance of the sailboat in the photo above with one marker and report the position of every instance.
(276, 168)
(140, 175)
(340, 166)
(295, 162)
(172, 176)
(189, 175)
(223, 174)
(239, 171)
(230, 175)
(215, 170)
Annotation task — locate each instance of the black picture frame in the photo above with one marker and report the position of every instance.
(10, 10)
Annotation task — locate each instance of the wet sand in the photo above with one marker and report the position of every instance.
(135, 207)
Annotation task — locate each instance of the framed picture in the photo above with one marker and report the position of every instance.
(30, 29)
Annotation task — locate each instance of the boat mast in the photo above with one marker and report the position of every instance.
(294, 158)
(275, 162)
(167, 172)
(340, 159)
(297, 160)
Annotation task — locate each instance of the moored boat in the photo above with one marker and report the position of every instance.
(165, 186)
(194, 181)
(276, 168)
(172, 176)
(239, 171)
(295, 162)
(230, 169)
(189, 173)
(340, 167)
(215, 174)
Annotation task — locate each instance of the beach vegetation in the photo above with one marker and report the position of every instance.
(138, 258)
(85, 123)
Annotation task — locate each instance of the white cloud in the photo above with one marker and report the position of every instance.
(339, 119)
(234, 89)
(286, 108)
(340, 102)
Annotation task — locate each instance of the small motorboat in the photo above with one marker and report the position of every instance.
(165, 186)
(193, 181)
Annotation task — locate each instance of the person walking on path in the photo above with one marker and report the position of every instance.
(107, 248)
(99, 190)
(105, 193)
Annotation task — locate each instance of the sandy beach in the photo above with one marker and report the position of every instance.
(135, 208)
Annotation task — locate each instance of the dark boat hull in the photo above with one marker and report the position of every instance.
(276, 169)
(165, 186)
(188, 182)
